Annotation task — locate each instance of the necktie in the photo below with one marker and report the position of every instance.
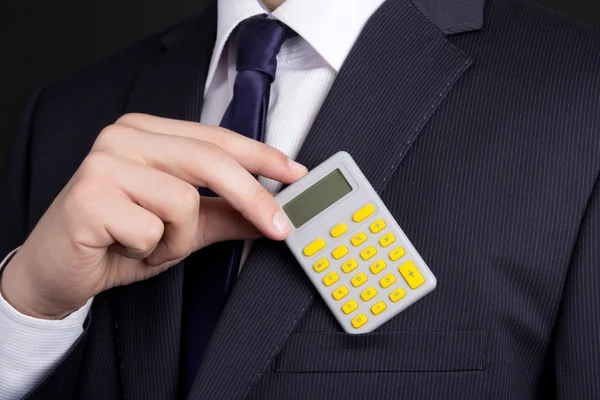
(207, 281)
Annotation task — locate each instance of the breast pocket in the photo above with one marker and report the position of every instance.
(412, 351)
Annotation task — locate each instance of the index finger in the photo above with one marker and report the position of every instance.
(253, 155)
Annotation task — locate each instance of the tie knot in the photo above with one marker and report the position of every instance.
(259, 40)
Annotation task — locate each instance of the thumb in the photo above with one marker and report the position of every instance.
(218, 221)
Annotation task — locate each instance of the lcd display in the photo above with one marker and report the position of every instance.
(316, 198)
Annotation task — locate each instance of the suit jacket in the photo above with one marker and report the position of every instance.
(482, 139)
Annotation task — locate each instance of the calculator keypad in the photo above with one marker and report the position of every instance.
(377, 267)
(338, 230)
(397, 295)
(368, 253)
(355, 300)
(359, 279)
(412, 275)
(349, 265)
(377, 226)
(368, 294)
(321, 265)
(387, 281)
(363, 213)
(340, 293)
(331, 279)
(339, 252)
(314, 247)
(350, 306)
(378, 308)
(386, 240)
(359, 321)
(397, 253)
(358, 239)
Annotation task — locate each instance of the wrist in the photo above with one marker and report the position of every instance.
(18, 291)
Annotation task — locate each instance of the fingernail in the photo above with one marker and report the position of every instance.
(280, 222)
(294, 166)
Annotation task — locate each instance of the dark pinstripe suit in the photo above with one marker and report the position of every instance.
(484, 144)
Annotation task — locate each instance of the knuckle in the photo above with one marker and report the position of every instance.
(152, 233)
(81, 196)
(95, 163)
(107, 137)
(282, 159)
(225, 139)
(273, 158)
(186, 200)
(129, 119)
(212, 154)
(262, 198)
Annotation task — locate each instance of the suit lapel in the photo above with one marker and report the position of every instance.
(397, 74)
(148, 314)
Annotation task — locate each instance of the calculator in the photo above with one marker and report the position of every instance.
(352, 249)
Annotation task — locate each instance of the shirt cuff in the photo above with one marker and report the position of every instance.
(31, 347)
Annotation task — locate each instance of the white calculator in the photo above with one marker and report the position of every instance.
(350, 246)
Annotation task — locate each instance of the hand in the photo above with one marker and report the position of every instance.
(131, 210)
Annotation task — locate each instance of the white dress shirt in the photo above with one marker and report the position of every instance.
(307, 67)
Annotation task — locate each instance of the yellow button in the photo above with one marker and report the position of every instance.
(331, 279)
(368, 253)
(368, 294)
(378, 308)
(349, 265)
(340, 292)
(321, 264)
(363, 213)
(339, 252)
(411, 274)
(359, 279)
(397, 253)
(359, 321)
(349, 307)
(377, 267)
(387, 281)
(358, 239)
(397, 294)
(339, 230)
(315, 246)
(377, 226)
(386, 240)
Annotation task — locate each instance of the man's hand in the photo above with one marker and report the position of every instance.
(132, 210)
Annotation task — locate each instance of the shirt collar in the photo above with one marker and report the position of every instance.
(330, 26)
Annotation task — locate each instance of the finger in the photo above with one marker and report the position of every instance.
(106, 217)
(253, 155)
(207, 165)
(135, 229)
(175, 202)
(219, 222)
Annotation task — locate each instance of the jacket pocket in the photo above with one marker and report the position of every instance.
(417, 351)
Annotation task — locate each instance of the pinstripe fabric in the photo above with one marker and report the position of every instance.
(418, 87)
(493, 193)
(150, 362)
(452, 16)
(427, 351)
(485, 147)
(580, 306)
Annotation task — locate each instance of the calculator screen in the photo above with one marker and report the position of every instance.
(317, 198)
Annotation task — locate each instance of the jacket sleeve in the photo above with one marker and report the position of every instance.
(577, 339)
(61, 381)
(14, 187)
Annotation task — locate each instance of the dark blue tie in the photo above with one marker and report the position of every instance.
(259, 42)
(208, 279)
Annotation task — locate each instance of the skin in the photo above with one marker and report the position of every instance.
(132, 210)
(272, 4)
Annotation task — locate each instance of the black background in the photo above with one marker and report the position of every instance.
(45, 40)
